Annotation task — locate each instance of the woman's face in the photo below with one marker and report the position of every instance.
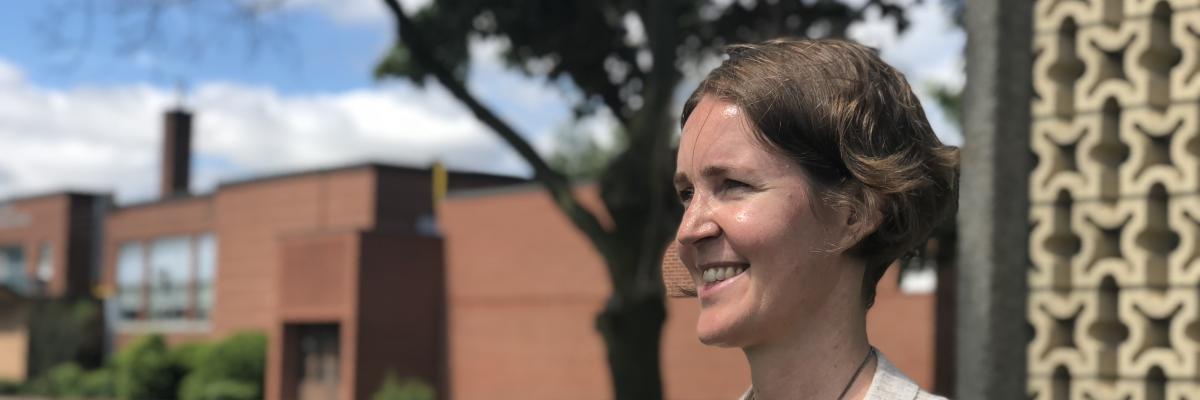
(749, 209)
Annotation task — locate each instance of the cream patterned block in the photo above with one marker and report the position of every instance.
(1058, 340)
(1056, 68)
(1136, 241)
(1148, 242)
(1159, 323)
(1052, 246)
(1050, 14)
(1104, 245)
(1184, 262)
(1183, 390)
(1047, 388)
(1185, 77)
(1163, 150)
(1141, 8)
(1129, 64)
(1082, 157)
(1086, 388)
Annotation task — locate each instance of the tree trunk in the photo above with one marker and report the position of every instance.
(632, 331)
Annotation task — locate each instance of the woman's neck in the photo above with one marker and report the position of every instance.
(816, 361)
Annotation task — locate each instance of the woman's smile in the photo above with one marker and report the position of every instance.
(718, 276)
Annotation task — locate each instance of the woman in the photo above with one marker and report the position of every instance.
(805, 167)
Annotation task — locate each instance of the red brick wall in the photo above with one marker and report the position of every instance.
(318, 282)
(252, 218)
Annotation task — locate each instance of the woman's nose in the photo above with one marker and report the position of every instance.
(697, 225)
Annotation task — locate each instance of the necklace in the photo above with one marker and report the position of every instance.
(870, 354)
(863, 364)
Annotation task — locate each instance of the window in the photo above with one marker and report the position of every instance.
(206, 271)
(170, 260)
(167, 278)
(12, 268)
(45, 266)
(130, 268)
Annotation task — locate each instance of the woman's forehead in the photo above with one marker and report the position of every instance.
(712, 113)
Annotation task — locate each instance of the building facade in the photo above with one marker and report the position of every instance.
(48, 253)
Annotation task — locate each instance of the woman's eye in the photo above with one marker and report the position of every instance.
(685, 195)
(735, 184)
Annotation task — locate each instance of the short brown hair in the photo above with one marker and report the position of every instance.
(854, 124)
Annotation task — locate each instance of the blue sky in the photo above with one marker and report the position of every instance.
(306, 50)
(87, 117)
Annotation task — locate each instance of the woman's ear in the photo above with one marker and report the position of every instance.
(862, 214)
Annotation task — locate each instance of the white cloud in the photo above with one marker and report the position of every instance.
(107, 137)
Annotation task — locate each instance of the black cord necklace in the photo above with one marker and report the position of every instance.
(863, 364)
(870, 354)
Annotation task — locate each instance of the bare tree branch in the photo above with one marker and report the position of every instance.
(557, 184)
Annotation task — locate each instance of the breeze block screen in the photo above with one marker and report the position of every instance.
(1114, 283)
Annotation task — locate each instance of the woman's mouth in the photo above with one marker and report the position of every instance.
(717, 274)
(717, 277)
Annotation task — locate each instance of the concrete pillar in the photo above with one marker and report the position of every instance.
(993, 205)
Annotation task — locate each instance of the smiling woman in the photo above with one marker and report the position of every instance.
(806, 167)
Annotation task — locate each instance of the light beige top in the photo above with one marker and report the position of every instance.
(887, 384)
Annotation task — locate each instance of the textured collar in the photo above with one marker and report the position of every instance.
(888, 383)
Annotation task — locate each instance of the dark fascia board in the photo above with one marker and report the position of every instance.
(45, 195)
(158, 202)
(524, 187)
(382, 167)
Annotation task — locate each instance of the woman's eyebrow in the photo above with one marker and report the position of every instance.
(715, 171)
(681, 179)
(711, 171)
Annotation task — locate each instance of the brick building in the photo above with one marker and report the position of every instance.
(357, 271)
(47, 254)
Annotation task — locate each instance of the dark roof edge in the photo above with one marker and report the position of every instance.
(528, 186)
(43, 195)
(160, 201)
(312, 172)
(350, 167)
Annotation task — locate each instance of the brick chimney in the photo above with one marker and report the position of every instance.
(176, 155)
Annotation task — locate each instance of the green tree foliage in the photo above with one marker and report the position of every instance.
(408, 389)
(579, 156)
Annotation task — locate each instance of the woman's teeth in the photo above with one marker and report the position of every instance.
(721, 273)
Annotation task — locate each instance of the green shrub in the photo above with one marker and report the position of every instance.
(409, 389)
(189, 356)
(10, 387)
(144, 370)
(98, 383)
(227, 390)
(69, 380)
(61, 380)
(231, 369)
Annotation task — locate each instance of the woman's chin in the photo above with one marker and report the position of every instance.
(719, 332)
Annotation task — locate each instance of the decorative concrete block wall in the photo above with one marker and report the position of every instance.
(1114, 302)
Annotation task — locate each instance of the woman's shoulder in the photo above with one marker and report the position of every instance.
(890, 383)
